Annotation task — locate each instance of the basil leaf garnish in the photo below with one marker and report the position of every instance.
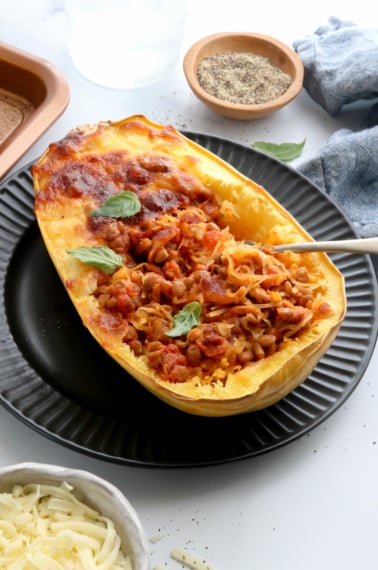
(121, 205)
(101, 257)
(283, 151)
(186, 319)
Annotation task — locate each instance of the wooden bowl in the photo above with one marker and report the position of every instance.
(280, 55)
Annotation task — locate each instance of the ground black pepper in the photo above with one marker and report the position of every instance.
(242, 77)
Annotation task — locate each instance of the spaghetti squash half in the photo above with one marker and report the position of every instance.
(147, 231)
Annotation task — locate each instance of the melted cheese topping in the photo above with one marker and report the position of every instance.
(46, 527)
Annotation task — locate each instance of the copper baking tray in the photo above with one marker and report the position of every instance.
(33, 94)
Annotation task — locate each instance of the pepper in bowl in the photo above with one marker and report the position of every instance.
(243, 75)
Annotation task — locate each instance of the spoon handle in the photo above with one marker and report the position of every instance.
(364, 245)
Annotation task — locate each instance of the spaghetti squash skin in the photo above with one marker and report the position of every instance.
(76, 175)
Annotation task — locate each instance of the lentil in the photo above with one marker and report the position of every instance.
(242, 77)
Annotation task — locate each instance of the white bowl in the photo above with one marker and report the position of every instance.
(92, 490)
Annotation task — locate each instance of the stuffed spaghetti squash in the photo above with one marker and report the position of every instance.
(146, 230)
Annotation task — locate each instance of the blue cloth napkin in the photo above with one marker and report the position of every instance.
(341, 64)
(341, 67)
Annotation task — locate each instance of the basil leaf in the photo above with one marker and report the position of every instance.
(122, 205)
(186, 319)
(283, 151)
(102, 258)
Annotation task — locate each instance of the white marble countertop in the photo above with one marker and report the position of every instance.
(310, 504)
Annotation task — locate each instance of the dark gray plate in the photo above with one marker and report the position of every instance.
(56, 379)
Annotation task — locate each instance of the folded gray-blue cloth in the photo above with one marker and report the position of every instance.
(341, 64)
(341, 67)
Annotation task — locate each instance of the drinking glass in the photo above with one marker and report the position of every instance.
(123, 44)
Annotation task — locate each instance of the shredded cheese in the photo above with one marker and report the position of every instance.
(155, 538)
(46, 527)
(189, 560)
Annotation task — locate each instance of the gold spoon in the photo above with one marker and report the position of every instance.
(363, 245)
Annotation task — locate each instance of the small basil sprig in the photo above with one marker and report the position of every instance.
(100, 257)
(122, 205)
(186, 319)
(283, 151)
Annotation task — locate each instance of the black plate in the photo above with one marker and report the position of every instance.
(56, 379)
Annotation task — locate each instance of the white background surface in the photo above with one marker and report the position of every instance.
(311, 504)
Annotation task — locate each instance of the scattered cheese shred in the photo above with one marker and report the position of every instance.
(155, 538)
(45, 527)
(189, 560)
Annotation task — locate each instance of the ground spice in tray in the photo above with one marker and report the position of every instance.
(14, 110)
(242, 77)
